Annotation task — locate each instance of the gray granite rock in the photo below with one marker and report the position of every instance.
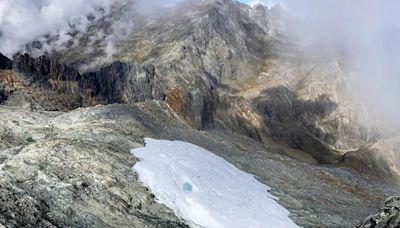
(387, 217)
(5, 63)
(74, 169)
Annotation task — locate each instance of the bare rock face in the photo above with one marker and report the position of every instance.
(126, 83)
(5, 63)
(388, 216)
(219, 65)
(381, 155)
(225, 51)
(292, 119)
(43, 70)
(55, 86)
(48, 80)
(204, 58)
(74, 169)
(5, 66)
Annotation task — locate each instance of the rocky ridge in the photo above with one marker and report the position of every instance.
(388, 216)
(223, 64)
(41, 148)
(74, 169)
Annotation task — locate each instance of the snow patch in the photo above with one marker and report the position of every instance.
(204, 189)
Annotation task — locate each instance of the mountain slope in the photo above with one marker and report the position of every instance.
(75, 169)
(225, 65)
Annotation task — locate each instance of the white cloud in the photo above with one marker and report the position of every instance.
(25, 21)
(21, 21)
(367, 31)
(268, 3)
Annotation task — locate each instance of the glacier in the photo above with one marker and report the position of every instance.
(205, 190)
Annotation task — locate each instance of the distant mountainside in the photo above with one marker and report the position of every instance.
(220, 65)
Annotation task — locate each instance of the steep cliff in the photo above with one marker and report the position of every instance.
(5, 63)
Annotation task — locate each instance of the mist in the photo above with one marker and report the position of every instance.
(25, 21)
(367, 32)
(21, 21)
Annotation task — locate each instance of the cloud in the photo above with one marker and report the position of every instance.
(25, 21)
(368, 32)
(21, 21)
(159, 3)
(269, 3)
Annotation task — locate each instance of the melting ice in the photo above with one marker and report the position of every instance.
(204, 189)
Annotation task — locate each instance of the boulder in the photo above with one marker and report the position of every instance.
(387, 217)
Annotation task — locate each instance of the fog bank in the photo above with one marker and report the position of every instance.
(367, 32)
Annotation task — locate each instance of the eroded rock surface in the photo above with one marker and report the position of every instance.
(74, 169)
(206, 57)
(387, 217)
(218, 64)
(5, 63)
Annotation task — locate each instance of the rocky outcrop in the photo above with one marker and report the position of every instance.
(292, 121)
(204, 58)
(379, 159)
(74, 169)
(5, 63)
(218, 64)
(6, 85)
(117, 83)
(225, 51)
(50, 85)
(387, 217)
(46, 83)
(126, 83)
(44, 70)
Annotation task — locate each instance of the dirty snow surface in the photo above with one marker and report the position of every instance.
(204, 189)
